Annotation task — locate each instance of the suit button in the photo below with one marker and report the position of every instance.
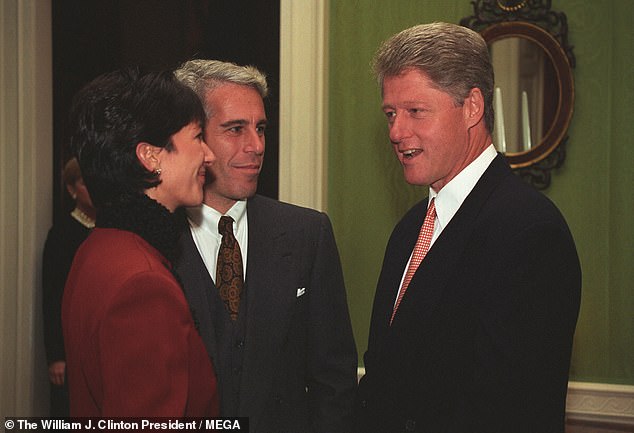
(240, 344)
(364, 403)
(410, 425)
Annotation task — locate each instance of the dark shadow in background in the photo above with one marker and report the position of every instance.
(91, 37)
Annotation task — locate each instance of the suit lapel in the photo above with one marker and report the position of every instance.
(397, 254)
(441, 262)
(269, 273)
(197, 286)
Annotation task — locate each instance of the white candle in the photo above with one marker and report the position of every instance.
(499, 121)
(526, 124)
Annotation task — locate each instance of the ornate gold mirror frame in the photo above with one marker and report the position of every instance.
(532, 20)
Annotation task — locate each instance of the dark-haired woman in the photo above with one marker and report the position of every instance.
(131, 343)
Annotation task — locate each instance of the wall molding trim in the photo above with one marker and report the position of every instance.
(303, 102)
(600, 403)
(26, 152)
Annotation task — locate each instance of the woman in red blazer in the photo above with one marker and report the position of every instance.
(132, 346)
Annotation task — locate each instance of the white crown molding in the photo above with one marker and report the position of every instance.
(303, 102)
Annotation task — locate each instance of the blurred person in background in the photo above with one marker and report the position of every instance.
(61, 244)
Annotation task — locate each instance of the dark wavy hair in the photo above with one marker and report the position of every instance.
(115, 112)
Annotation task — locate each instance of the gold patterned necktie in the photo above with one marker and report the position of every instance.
(229, 274)
(420, 251)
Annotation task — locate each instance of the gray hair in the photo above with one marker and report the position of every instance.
(204, 75)
(455, 58)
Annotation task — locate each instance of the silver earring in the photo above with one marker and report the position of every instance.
(158, 171)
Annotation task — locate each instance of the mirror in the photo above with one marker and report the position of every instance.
(534, 91)
(526, 90)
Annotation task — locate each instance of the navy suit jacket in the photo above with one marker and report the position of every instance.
(482, 338)
(300, 360)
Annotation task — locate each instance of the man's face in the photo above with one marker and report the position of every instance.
(429, 133)
(235, 134)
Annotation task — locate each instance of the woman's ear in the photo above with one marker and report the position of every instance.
(147, 155)
(71, 190)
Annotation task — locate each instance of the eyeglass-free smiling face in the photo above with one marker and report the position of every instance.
(235, 134)
(182, 168)
(428, 130)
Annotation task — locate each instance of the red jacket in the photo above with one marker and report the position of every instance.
(131, 345)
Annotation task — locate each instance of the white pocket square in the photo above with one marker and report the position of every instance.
(301, 291)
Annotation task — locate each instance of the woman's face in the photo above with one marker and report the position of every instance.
(183, 169)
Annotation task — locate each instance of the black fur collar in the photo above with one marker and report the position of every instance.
(145, 217)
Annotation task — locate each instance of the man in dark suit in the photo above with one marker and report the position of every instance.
(478, 297)
(282, 346)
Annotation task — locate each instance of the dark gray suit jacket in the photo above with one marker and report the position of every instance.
(482, 339)
(300, 360)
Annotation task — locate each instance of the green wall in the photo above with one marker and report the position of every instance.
(367, 193)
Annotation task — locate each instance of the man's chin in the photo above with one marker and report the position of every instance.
(413, 178)
(235, 194)
(250, 193)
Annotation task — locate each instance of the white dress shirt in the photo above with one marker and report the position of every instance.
(449, 199)
(203, 223)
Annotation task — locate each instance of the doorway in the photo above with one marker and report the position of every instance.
(91, 37)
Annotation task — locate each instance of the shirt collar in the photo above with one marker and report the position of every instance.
(206, 217)
(451, 196)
